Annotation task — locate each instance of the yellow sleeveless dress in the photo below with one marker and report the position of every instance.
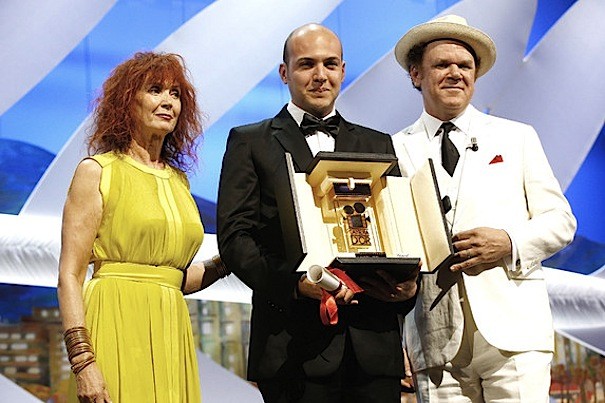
(139, 322)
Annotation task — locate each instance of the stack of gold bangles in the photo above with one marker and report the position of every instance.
(221, 269)
(77, 341)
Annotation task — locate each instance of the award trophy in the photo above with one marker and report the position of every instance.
(346, 212)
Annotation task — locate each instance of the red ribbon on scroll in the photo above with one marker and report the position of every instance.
(328, 309)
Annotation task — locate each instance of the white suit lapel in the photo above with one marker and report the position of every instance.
(412, 147)
(475, 164)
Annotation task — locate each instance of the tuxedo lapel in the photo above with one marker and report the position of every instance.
(289, 135)
(347, 140)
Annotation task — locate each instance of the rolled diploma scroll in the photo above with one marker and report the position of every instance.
(324, 278)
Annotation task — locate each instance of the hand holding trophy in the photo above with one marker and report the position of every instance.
(374, 227)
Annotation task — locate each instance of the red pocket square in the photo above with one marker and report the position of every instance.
(496, 159)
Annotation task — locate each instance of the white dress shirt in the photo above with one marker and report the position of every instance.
(319, 141)
(461, 140)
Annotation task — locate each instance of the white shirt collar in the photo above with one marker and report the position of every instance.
(297, 113)
(462, 122)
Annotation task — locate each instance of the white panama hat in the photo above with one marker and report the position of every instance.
(448, 27)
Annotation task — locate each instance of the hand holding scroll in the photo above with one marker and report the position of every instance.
(319, 278)
(336, 288)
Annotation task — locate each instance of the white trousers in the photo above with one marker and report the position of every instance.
(482, 373)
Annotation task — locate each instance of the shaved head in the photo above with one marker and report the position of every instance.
(301, 32)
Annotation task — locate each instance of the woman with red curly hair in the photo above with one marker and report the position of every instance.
(130, 213)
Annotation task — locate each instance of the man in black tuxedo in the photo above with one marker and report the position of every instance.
(293, 356)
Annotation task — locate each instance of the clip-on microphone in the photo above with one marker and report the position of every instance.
(474, 146)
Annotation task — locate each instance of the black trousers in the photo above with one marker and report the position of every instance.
(349, 384)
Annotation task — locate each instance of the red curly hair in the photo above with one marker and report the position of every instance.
(114, 113)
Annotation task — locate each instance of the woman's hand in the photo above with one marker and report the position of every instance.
(91, 385)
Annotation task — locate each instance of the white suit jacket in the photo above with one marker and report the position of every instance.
(520, 195)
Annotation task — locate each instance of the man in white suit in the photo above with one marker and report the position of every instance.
(482, 330)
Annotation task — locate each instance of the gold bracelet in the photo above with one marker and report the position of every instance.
(77, 368)
(221, 269)
(73, 330)
(77, 341)
(75, 335)
(72, 341)
(79, 349)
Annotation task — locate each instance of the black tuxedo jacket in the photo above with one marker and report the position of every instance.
(287, 338)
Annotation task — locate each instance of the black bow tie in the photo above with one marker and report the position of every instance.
(310, 124)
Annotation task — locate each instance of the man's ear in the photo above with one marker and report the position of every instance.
(283, 73)
(415, 76)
